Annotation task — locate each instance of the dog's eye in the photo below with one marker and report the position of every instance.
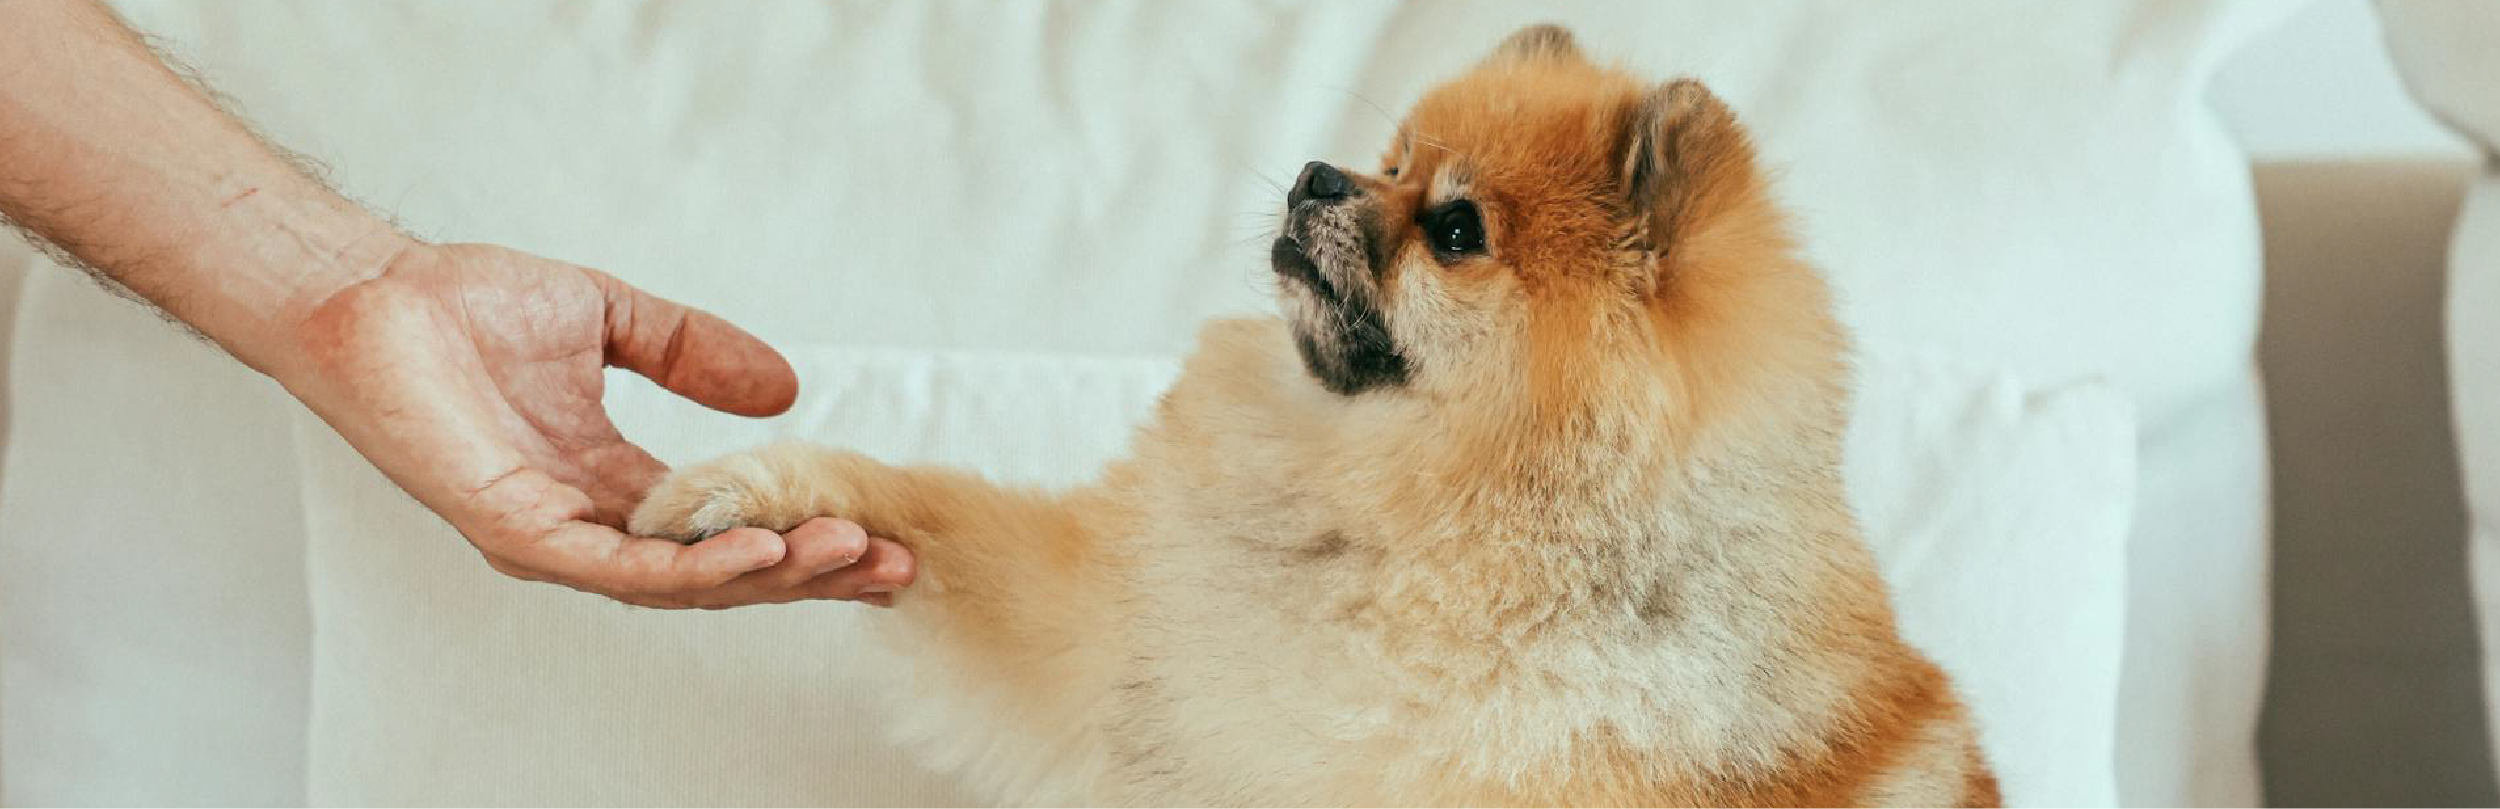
(1390, 172)
(1454, 229)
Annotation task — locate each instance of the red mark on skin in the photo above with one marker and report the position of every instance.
(239, 197)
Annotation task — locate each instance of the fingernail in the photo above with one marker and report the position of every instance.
(877, 589)
(881, 600)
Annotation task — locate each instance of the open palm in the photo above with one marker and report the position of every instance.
(473, 376)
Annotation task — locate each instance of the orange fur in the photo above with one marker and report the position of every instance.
(1586, 546)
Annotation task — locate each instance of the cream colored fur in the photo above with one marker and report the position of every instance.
(1595, 552)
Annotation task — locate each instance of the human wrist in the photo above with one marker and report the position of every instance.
(142, 179)
(289, 256)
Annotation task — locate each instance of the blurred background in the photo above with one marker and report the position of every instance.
(2374, 692)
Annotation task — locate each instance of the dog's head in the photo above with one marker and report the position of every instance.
(1544, 229)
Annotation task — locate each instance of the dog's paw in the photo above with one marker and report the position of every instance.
(766, 489)
(692, 504)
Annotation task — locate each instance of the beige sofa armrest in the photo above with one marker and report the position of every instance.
(2371, 684)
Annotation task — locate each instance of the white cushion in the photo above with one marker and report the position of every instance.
(1998, 183)
(1998, 512)
(154, 636)
(2474, 382)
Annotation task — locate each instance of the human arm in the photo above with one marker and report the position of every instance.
(471, 375)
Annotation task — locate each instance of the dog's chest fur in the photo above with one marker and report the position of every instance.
(1295, 633)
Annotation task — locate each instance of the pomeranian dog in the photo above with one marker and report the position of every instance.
(1532, 497)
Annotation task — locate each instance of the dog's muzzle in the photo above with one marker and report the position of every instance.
(1329, 253)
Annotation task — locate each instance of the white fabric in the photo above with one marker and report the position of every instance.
(2445, 51)
(2032, 190)
(1999, 512)
(155, 642)
(2474, 381)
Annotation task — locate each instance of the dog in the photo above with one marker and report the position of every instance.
(1532, 496)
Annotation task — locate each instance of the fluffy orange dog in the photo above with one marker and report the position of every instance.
(1532, 498)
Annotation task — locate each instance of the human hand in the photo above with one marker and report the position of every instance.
(472, 376)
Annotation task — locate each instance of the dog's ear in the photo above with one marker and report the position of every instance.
(1536, 42)
(1684, 158)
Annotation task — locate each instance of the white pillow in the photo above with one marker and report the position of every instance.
(154, 635)
(2474, 384)
(1998, 512)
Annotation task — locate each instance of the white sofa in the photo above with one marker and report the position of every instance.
(983, 230)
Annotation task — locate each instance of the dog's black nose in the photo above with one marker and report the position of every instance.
(1319, 181)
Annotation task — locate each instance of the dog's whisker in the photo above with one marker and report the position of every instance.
(1413, 137)
(1263, 177)
(1385, 115)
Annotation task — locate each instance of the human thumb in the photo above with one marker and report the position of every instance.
(694, 354)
